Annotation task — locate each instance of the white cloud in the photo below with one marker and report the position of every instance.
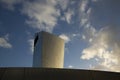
(90, 40)
(4, 42)
(65, 37)
(84, 13)
(88, 33)
(31, 43)
(106, 47)
(70, 66)
(83, 37)
(83, 21)
(9, 4)
(89, 11)
(42, 14)
(75, 34)
(68, 16)
(88, 53)
(83, 5)
(67, 11)
(85, 17)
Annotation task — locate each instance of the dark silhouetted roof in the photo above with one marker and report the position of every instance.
(55, 74)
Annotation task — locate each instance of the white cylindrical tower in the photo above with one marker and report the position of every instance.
(48, 51)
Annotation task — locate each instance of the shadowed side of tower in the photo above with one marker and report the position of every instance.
(48, 51)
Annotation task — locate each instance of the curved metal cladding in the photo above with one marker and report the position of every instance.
(48, 51)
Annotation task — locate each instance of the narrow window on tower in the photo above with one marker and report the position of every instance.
(36, 39)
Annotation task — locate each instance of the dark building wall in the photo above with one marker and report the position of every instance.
(55, 74)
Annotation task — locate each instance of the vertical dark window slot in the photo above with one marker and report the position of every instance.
(36, 39)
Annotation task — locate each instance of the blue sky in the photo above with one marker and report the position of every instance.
(90, 29)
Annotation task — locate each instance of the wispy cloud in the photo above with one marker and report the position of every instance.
(67, 11)
(83, 5)
(68, 15)
(85, 12)
(88, 33)
(31, 43)
(4, 42)
(65, 37)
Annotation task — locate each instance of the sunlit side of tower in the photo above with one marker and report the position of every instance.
(48, 51)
